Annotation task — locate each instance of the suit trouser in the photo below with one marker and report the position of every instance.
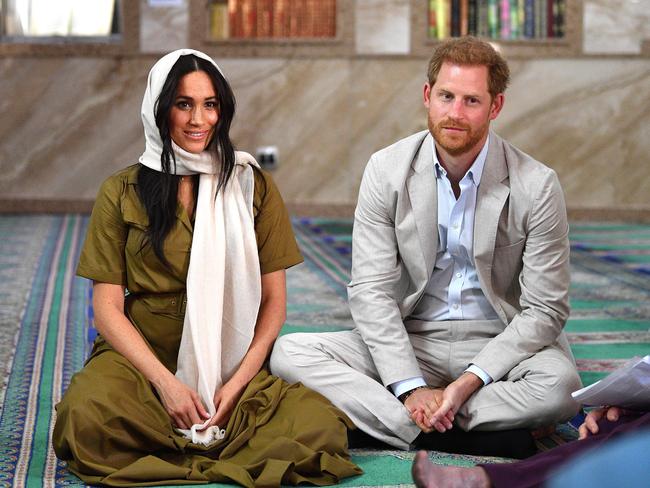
(338, 365)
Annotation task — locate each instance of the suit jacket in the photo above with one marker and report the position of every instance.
(521, 254)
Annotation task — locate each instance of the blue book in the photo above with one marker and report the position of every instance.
(529, 19)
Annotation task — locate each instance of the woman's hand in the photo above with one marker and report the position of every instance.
(590, 425)
(225, 401)
(181, 403)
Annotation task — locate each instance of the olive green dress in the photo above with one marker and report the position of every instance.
(111, 427)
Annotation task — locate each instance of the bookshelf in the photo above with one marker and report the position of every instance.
(521, 28)
(322, 28)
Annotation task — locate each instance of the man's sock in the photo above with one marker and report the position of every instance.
(514, 443)
(357, 438)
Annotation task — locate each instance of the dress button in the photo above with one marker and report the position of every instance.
(173, 302)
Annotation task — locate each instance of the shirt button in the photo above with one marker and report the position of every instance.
(458, 275)
(455, 306)
(455, 226)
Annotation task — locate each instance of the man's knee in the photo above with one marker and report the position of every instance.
(557, 404)
(282, 356)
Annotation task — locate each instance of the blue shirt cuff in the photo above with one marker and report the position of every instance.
(403, 386)
(473, 368)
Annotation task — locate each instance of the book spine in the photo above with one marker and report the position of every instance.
(303, 24)
(550, 19)
(514, 20)
(320, 16)
(314, 14)
(529, 19)
(521, 17)
(306, 20)
(234, 19)
(472, 18)
(248, 19)
(482, 29)
(493, 19)
(431, 25)
(505, 19)
(538, 19)
(543, 12)
(219, 20)
(264, 18)
(559, 18)
(292, 19)
(442, 19)
(464, 17)
(455, 18)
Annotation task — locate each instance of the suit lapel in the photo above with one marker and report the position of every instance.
(423, 195)
(492, 194)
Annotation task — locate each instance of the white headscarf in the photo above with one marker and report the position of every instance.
(223, 280)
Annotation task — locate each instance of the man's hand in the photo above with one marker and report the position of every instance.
(453, 397)
(421, 404)
(590, 425)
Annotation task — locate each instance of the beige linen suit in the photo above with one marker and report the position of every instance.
(521, 255)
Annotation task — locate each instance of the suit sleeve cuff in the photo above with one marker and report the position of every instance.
(473, 368)
(409, 384)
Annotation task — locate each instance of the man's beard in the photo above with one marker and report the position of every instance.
(463, 142)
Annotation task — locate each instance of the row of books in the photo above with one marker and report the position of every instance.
(254, 19)
(497, 19)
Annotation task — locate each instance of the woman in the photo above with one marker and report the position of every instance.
(200, 238)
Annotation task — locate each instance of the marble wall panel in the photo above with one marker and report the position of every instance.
(163, 28)
(386, 106)
(615, 26)
(70, 123)
(588, 119)
(303, 108)
(383, 26)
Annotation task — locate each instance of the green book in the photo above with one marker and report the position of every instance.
(493, 18)
(433, 24)
(514, 20)
(482, 29)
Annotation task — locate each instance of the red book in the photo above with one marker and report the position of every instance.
(280, 18)
(550, 31)
(331, 14)
(320, 9)
(464, 17)
(234, 19)
(303, 19)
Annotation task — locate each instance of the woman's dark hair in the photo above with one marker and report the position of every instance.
(158, 191)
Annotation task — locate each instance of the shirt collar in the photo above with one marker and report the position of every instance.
(475, 170)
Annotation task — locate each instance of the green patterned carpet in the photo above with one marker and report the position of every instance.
(45, 328)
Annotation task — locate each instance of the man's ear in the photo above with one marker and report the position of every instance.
(497, 105)
(427, 94)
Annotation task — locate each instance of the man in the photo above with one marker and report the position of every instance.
(460, 276)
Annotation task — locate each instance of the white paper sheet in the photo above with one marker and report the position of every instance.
(627, 387)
